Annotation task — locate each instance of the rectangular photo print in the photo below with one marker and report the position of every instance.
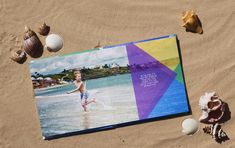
(109, 86)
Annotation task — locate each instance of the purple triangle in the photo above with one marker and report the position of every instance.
(150, 79)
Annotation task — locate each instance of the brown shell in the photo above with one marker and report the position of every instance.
(18, 55)
(44, 29)
(98, 45)
(191, 22)
(207, 129)
(32, 45)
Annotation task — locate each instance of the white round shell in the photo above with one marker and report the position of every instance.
(54, 42)
(190, 126)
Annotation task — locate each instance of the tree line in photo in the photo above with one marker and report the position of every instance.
(66, 76)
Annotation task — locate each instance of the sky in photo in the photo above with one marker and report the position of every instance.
(91, 59)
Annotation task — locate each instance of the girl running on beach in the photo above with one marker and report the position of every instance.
(82, 89)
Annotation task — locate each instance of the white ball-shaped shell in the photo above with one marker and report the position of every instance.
(54, 42)
(190, 126)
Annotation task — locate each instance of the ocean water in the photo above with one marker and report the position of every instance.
(62, 113)
(124, 79)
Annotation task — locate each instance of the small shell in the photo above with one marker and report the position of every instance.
(208, 130)
(32, 45)
(44, 29)
(191, 22)
(54, 42)
(98, 45)
(18, 55)
(190, 126)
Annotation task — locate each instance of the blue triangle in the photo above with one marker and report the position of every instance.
(172, 102)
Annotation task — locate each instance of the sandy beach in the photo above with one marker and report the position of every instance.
(208, 63)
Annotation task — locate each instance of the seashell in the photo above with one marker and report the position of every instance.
(190, 126)
(32, 45)
(215, 131)
(98, 45)
(44, 29)
(191, 22)
(54, 42)
(18, 55)
(208, 130)
(212, 108)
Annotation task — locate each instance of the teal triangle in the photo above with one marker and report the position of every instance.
(179, 76)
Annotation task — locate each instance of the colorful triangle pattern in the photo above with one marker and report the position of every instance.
(150, 79)
(157, 78)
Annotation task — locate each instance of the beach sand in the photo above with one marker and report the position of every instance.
(208, 62)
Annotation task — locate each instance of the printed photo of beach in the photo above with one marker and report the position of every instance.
(105, 76)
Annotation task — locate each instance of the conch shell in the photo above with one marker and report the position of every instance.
(191, 22)
(18, 56)
(32, 45)
(44, 29)
(212, 108)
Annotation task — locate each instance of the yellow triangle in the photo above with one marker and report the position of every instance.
(164, 50)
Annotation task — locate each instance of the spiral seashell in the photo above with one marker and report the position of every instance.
(191, 22)
(18, 55)
(32, 45)
(44, 29)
